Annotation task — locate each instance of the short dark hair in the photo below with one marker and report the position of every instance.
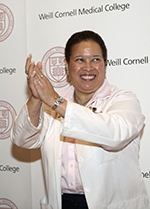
(85, 36)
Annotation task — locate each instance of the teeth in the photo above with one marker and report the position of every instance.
(87, 77)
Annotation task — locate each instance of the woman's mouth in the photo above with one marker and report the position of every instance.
(87, 77)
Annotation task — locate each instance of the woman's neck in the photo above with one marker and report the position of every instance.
(82, 99)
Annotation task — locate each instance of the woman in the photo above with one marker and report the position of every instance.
(89, 135)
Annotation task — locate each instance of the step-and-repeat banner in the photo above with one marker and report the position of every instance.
(42, 28)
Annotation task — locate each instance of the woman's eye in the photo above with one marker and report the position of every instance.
(96, 59)
(79, 59)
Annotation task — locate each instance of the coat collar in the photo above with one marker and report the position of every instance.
(101, 93)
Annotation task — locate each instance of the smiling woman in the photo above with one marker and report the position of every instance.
(86, 69)
(89, 135)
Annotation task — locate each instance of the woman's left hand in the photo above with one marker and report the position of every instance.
(43, 86)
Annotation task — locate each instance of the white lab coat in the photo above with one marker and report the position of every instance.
(107, 147)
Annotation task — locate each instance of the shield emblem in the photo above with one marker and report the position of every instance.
(4, 120)
(57, 68)
(2, 22)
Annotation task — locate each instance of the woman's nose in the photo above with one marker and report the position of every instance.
(88, 65)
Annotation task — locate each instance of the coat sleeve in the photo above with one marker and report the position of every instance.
(24, 134)
(117, 122)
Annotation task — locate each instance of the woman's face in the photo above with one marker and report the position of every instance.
(86, 67)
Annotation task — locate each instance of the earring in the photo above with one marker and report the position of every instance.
(67, 72)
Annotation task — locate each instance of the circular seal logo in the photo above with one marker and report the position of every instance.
(7, 116)
(5, 201)
(6, 22)
(54, 67)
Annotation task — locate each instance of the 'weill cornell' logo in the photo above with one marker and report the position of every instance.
(6, 202)
(6, 22)
(7, 116)
(54, 67)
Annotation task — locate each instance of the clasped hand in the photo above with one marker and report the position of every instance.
(38, 83)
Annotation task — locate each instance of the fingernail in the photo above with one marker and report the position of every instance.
(29, 55)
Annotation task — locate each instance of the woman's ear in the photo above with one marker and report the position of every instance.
(66, 68)
(67, 71)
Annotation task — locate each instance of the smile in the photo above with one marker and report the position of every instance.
(88, 77)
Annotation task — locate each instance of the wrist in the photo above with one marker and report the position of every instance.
(58, 100)
(34, 102)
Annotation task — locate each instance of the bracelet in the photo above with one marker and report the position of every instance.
(59, 100)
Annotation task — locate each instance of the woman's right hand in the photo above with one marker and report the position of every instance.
(34, 102)
(30, 70)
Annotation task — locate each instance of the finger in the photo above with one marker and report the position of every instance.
(37, 82)
(28, 61)
(31, 69)
(39, 73)
(31, 76)
(39, 66)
